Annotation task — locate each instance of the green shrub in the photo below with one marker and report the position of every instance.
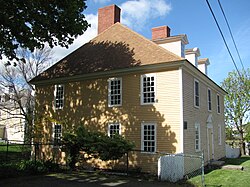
(51, 165)
(95, 144)
(27, 167)
(32, 167)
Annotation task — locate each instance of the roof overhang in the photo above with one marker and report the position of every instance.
(163, 66)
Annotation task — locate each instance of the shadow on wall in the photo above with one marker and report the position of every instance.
(86, 102)
(92, 57)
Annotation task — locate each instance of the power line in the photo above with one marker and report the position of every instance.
(231, 34)
(223, 38)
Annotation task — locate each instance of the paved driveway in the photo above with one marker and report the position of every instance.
(81, 179)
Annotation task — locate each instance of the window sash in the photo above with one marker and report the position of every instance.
(209, 99)
(197, 137)
(115, 92)
(148, 137)
(219, 134)
(196, 93)
(114, 128)
(57, 134)
(59, 96)
(148, 89)
(218, 104)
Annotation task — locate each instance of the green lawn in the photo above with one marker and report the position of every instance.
(15, 152)
(11, 147)
(222, 177)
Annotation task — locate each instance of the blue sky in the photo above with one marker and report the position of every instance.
(191, 17)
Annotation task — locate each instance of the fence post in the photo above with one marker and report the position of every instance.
(202, 169)
(127, 163)
(7, 151)
(36, 149)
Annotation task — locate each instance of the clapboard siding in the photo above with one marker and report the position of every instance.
(200, 115)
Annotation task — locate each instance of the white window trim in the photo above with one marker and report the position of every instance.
(109, 91)
(155, 88)
(208, 100)
(218, 103)
(142, 136)
(195, 80)
(57, 85)
(120, 128)
(197, 125)
(219, 135)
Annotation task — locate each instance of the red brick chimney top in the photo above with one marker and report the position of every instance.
(160, 32)
(107, 16)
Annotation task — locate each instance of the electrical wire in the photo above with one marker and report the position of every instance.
(231, 34)
(210, 8)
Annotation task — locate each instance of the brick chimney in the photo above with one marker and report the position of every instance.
(160, 32)
(107, 16)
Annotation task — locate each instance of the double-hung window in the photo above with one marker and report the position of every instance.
(196, 93)
(59, 96)
(148, 89)
(218, 103)
(219, 134)
(57, 134)
(148, 137)
(115, 92)
(209, 100)
(114, 128)
(197, 137)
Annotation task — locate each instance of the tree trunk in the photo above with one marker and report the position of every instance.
(242, 144)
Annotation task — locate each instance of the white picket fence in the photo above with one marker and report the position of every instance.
(175, 167)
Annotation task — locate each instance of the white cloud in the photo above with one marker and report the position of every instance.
(101, 1)
(136, 13)
(60, 52)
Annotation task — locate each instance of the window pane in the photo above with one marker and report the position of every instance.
(148, 89)
(148, 138)
(115, 92)
(59, 95)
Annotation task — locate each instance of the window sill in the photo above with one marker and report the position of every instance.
(114, 106)
(147, 103)
(150, 153)
(197, 107)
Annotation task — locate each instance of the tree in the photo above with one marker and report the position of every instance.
(30, 24)
(237, 103)
(18, 93)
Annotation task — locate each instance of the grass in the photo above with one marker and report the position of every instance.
(222, 177)
(11, 147)
(15, 152)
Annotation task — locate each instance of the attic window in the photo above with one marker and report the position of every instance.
(148, 89)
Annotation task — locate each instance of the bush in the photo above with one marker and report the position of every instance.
(27, 167)
(32, 167)
(95, 144)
